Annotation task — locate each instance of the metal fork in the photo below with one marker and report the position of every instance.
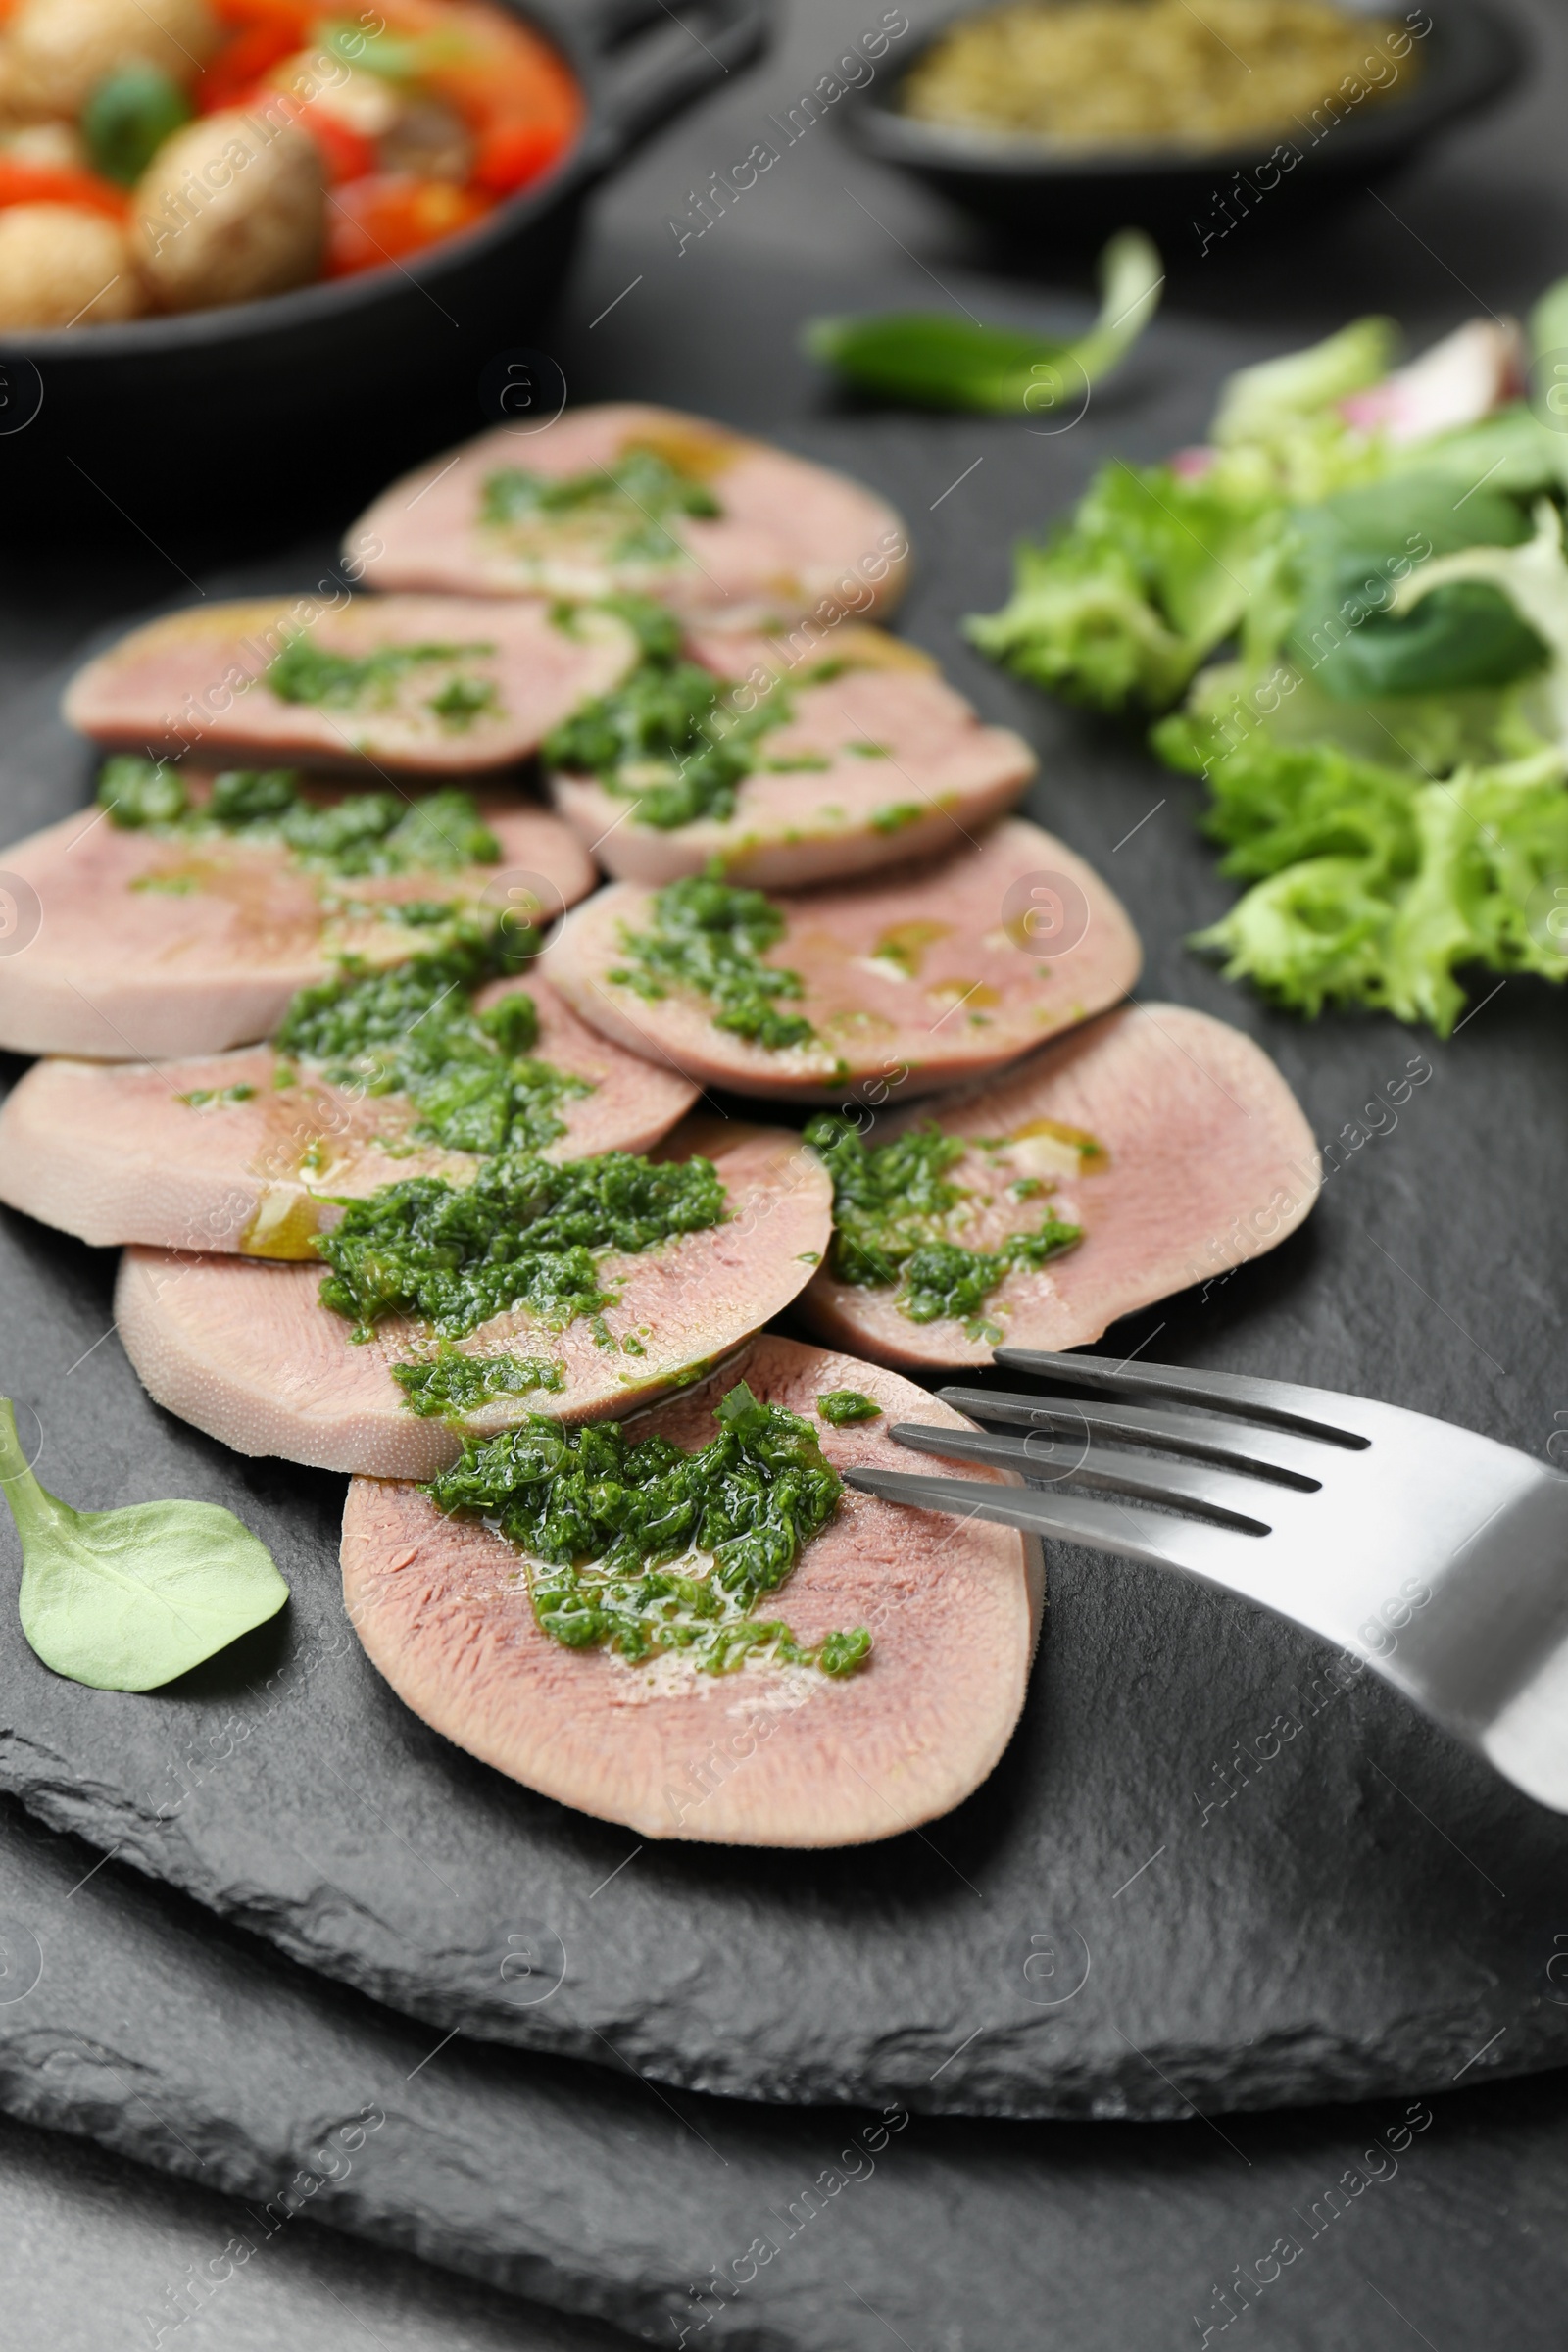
(1438, 1557)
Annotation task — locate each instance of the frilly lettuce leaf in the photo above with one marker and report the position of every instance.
(1433, 733)
(1119, 607)
(1371, 649)
(1378, 886)
(1158, 569)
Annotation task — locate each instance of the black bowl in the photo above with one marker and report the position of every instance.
(1469, 56)
(309, 400)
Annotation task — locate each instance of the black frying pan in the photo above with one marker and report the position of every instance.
(324, 392)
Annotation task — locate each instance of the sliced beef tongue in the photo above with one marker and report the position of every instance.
(414, 684)
(769, 1756)
(788, 538)
(146, 944)
(242, 1151)
(912, 980)
(245, 1350)
(880, 760)
(1206, 1160)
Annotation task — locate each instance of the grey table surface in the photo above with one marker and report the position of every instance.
(92, 2247)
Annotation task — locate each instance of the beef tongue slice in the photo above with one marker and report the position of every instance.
(245, 1152)
(147, 945)
(875, 761)
(479, 685)
(245, 1350)
(1204, 1160)
(788, 538)
(912, 980)
(765, 1755)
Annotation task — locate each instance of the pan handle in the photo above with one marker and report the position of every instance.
(637, 99)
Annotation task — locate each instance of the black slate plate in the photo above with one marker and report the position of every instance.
(129, 2018)
(1281, 1888)
(101, 2253)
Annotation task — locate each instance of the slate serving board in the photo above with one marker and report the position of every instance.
(101, 2251)
(132, 2019)
(1212, 1867)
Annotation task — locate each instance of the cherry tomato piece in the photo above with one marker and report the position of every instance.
(59, 183)
(389, 214)
(240, 64)
(346, 153)
(513, 154)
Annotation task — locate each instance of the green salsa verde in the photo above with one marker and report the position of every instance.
(707, 936)
(674, 737)
(644, 1550)
(527, 1233)
(626, 508)
(839, 1407)
(308, 672)
(362, 834)
(893, 1210)
(414, 1030)
(449, 1385)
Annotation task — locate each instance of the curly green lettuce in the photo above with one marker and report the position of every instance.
(1121, 607)
(1364, 621)
(1374, 886)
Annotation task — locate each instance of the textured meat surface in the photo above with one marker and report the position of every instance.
(916, 979)
(117, 1152)
(195, 680)
(1211, 1163)
(766, 1756)
(150, 945)
(791, 537)
(244, 1351)
(910, 773)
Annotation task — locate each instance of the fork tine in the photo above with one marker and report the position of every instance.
(1287, 1460)
(1221, 1554)
(1221, 1493)
(1279, 1403)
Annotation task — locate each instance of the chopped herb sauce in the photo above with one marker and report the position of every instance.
(308, 672)
(673, 738)
(842, 1407)
(413, 1031)
(450, 1384)
(669, 736)
(527, 1233)
(201, 1098)
(642, 1548)
(363, 833)
(629, 505)
(141, 792)
(893, 1211)
(709, 937)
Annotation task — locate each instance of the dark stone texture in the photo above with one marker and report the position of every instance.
(100, 2253)
(161, 2033)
